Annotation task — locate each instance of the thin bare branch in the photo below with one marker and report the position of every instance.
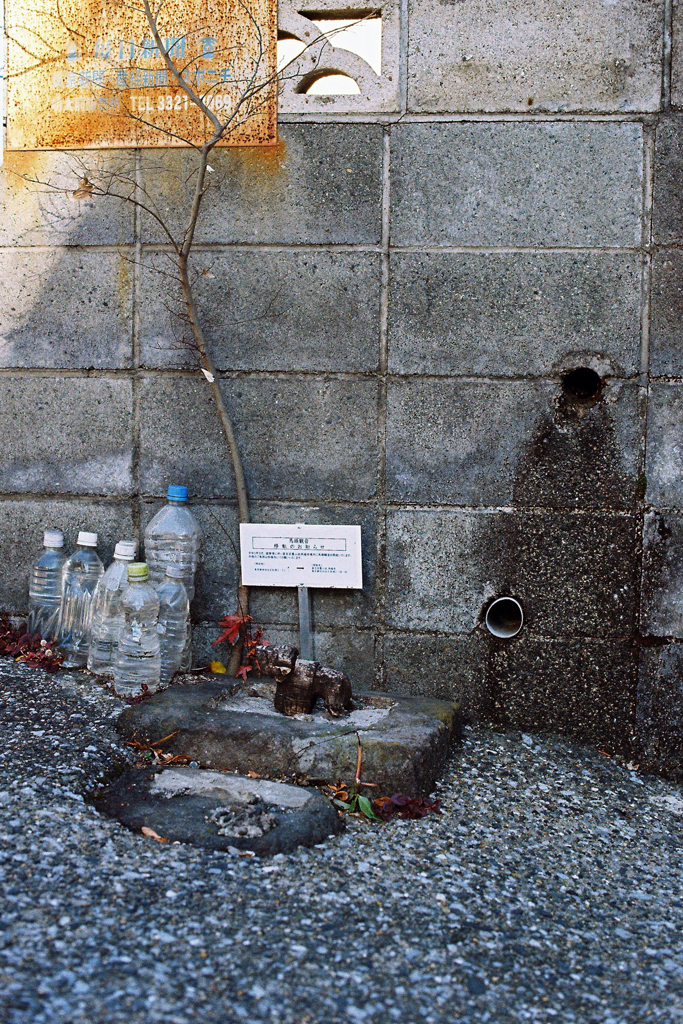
(182, 82)
(101, 193)
(250, 93)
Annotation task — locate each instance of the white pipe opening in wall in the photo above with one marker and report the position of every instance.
(505, 617)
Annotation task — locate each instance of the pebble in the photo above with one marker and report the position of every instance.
(550, 889)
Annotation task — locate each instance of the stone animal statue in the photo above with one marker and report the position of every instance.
(300, 682)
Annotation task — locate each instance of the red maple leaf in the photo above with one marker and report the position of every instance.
(231, 628)
(28, 647)
(236, 627)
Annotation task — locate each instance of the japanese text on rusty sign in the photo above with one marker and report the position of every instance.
(309, 556)
(91, 75)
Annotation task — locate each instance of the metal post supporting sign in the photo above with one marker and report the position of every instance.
(301, 556)
(305, 636)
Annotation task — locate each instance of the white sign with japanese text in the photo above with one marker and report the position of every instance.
(310, 556)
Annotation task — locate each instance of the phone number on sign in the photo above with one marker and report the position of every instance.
(174, 101)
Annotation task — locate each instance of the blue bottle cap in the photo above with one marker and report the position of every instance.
(176, 493)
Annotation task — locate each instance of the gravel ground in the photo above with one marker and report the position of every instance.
(549, 890)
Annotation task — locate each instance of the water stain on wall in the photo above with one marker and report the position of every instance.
(572, 559)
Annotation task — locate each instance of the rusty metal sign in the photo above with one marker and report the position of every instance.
(89, 75)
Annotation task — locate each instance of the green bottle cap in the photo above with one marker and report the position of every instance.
(138, 572)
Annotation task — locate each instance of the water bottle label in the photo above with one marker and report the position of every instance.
(136, 630)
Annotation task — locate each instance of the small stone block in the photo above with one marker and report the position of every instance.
(322, 183)
(268, 311)
(511, 314)
(531, 55)
(65, 308)
(659, 715)
(666, 321)
(662, 593)
(219, 811)
(586, 688)
(667, 210)
(664, 459)
(300, 438)
(516, 184)
(235, 727)
(73, 435)
(22, 521)
(37, 205)
(575, 574)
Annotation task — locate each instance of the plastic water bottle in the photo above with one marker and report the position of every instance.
(45, 587)
(107, 613)
(174, 612)
(80, 575)
(186, 657)
(173, 537)
(138, 661)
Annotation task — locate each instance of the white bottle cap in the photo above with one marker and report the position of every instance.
(125, 549)
(86, 540)
(175, 572)
(53, 539)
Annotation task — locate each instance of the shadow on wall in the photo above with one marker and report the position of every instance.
(571, 559)
(61, 306)
(67, 437)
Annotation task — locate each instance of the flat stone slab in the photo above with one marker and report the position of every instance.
(234, 726)
(220, 811)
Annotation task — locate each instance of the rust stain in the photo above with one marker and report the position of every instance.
(22, 164)
(267, 161)
(123, 283)
(89, 76)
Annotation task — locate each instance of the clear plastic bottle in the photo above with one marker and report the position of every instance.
(138, 661)
(80, 575)
(174, 612)
(45, 587)
(107, 613)
(186, 656)
(173, 537)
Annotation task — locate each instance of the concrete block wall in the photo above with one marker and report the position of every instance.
(393, 296)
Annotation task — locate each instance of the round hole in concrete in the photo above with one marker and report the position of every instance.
(504, 617)
(582, 384)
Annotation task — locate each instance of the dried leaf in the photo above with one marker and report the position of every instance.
(383, 808)
(84, 190)
(236, 627)
(172, 758)
(407, 807)
(400, 799)
(338, 789)
(138, 699)
(217, 666)
(152, 834)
